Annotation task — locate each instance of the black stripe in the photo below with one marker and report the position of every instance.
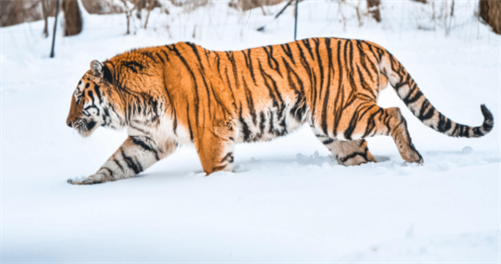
(299, 107)
(262, 124)
(321, 70)
(303, 60)
(354, 154)
(197, 100)
(229, 157)
(250, 103)
(363, 57)
(229, 88)
(160, 57)
(409, 100)
(107, 76)
(145, 146)
(271, 89)
(477, 132)
(287, 50)
(217, 168)
(173, 111)
(423, 114)
(110, 172)
(351, 127)
(150, 55)
(195, 50)
(444, 123)
(90, 125)
(118, 164)
(370, 126)
(363, 83)
(188, 117)
(271, 128)
(248, 62)
(91, 95)
(165, 54)
(131, 163)
(134, 66)
(306, 43)
(327, 90)
(201, 71)
(231, 58)
(340, 91)
(272, 62)
(245, 127)
(328, 141)
(98, 93)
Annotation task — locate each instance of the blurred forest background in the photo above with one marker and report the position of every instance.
(426, 14)
(289, 200)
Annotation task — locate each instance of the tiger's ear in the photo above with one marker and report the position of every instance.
(97, 68)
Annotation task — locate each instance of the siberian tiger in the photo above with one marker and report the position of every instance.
(185, 94)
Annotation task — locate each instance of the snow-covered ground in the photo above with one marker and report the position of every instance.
(288, 200)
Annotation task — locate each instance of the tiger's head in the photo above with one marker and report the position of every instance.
(91, 103)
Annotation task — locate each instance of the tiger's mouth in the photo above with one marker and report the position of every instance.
(85, 127)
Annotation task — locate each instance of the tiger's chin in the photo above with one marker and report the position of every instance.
(88, 129)
(86, 133)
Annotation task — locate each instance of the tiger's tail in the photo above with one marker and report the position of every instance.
(419, 105)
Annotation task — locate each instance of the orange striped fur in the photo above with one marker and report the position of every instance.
(183, 93)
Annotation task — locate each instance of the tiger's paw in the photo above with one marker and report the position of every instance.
(356, 158)
(93, 179)
(412, 155)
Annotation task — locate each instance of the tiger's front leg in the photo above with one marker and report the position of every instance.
(215, 149)
(135, 155)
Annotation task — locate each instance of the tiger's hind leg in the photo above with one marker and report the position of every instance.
(372, 120)
(347, 153)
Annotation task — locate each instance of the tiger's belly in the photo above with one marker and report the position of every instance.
(270, 123)
(261, 125)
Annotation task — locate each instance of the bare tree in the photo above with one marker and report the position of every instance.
(150, 6)
(373, 8)
(490, 13)
(140, 5)
(45, 18)
(102, 7)
(128, 13)
(14, 12)
(245, 5)
(72, 17)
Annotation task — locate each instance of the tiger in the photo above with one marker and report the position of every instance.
(184, 94)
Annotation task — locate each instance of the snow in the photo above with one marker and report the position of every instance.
(288, 200)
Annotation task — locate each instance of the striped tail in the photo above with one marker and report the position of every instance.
(412, 96)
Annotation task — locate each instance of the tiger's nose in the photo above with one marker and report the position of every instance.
(70, 124)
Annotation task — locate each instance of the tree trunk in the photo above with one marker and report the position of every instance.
(490, 13)
(150, 6)
(245, 5)
(72, 18)
(373, 7)
(45, 18)
(140, 5)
